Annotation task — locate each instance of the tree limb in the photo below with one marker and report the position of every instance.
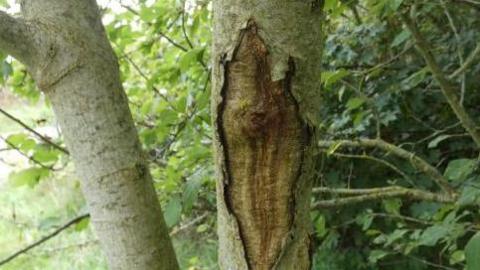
(44, 239)
(364, 195)
(416, 161)
(469, 61)
(15, 38)
(379, 160)
(40, 136)
(77, 220)
(401, 217)
(448, 89)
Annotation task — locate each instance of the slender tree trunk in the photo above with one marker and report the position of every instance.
(266, 79)
(64, 46)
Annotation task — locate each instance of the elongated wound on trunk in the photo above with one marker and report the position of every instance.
(264, 139)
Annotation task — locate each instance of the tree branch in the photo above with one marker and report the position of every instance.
(77, 220)
(448, 89)
(15, 38)
(379, 160)
(31, 158)
(373, 194)
(40, 136)
(469, 61)
(44, 239)
(401, 217)
(416, 161)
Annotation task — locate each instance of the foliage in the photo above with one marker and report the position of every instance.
(375, 85)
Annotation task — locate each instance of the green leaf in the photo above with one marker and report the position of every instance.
(469, 196)
(457, 257)
(376, 255)
(173, 211)
(321, 227)
(359, 117)
(434, 143)
(365, 220)
(355, 103)
(148, 14)
(29, 177)
(202, 228)
(49, 222)
(416, 78)
(190, 58)
(330, 4)
(396, 235)
(190, 194)
(393, 5)
(433, 234)
(22, 142)
(331, 77)
(333, 148)
(472, 251)
(460, 169)
(401, 38)
(82, 225)
(392, 206)
(45, 154)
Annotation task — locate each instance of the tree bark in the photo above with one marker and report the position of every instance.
(65, 48)
(266, 80)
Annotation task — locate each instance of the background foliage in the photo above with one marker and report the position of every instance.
(376, 85)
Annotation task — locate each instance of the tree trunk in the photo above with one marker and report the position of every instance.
(266, 74)
(64, 46)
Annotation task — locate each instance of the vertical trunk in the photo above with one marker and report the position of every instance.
(266, 79)
(74, 65)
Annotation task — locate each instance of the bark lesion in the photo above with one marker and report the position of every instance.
(263, 138)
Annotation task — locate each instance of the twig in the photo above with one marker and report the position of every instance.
(370, 102)
(379, 160)
(187, 39)
(469, 61)
(473, 2)
(44, 239)
(78, 220)
(32, 159)
(438, 266)
(459, 48)
(189, 224)
(416, 161)
(447, 88)
(169, 39)
(145, 77)
(40, 136)
(388, 62)
(377, 194)
(405, 218)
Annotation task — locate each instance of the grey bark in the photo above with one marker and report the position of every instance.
(266, 80)
(65, 48)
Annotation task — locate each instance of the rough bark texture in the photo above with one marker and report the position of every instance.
(266, 81)
(75, 66)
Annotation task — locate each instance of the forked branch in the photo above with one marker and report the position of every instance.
(16, 38)
(415, 160)
(448, 89)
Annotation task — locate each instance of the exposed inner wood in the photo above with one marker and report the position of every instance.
(264, 140)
